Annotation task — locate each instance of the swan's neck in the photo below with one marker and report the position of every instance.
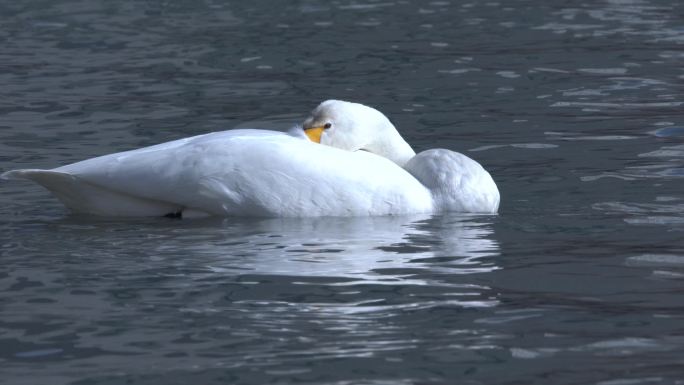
(392, 147)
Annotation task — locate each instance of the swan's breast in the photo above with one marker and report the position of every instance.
(457, 182)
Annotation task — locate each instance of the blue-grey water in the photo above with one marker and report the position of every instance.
(575, 107)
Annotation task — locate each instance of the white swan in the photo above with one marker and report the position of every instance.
(272, 174)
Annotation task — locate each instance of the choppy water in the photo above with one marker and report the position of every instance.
(574, 107)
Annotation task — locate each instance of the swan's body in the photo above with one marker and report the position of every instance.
(267, 174)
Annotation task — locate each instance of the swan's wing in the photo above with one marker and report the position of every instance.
(301, 178)
(166, 173)
(84, 197)
(257, 173)
(285, 176)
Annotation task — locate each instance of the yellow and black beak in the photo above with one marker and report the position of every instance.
(314, 133)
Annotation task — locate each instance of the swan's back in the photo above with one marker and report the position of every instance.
(278, 175)
(238, 173)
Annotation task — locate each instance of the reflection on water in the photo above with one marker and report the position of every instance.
(382, 249)
(261, 284)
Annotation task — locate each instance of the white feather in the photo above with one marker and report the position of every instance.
(267, 174)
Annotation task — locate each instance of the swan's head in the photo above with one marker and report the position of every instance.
(457, 183)
(353, 126)
(345, 125)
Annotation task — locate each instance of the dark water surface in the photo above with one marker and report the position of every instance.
(576, 108)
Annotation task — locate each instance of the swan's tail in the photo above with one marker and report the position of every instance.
(81, 196)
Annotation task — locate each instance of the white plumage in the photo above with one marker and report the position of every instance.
(271, 174)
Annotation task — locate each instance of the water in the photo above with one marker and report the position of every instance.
(575, 108)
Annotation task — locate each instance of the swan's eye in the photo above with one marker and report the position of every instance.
(327, 125)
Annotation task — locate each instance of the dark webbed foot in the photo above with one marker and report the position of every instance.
(176, 215)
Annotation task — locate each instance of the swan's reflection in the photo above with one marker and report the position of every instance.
(374, 249)
(281, 290)
(350, 285)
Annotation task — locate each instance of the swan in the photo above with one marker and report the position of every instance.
(346, 159)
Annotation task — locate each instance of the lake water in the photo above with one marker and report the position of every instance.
(576, 108)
